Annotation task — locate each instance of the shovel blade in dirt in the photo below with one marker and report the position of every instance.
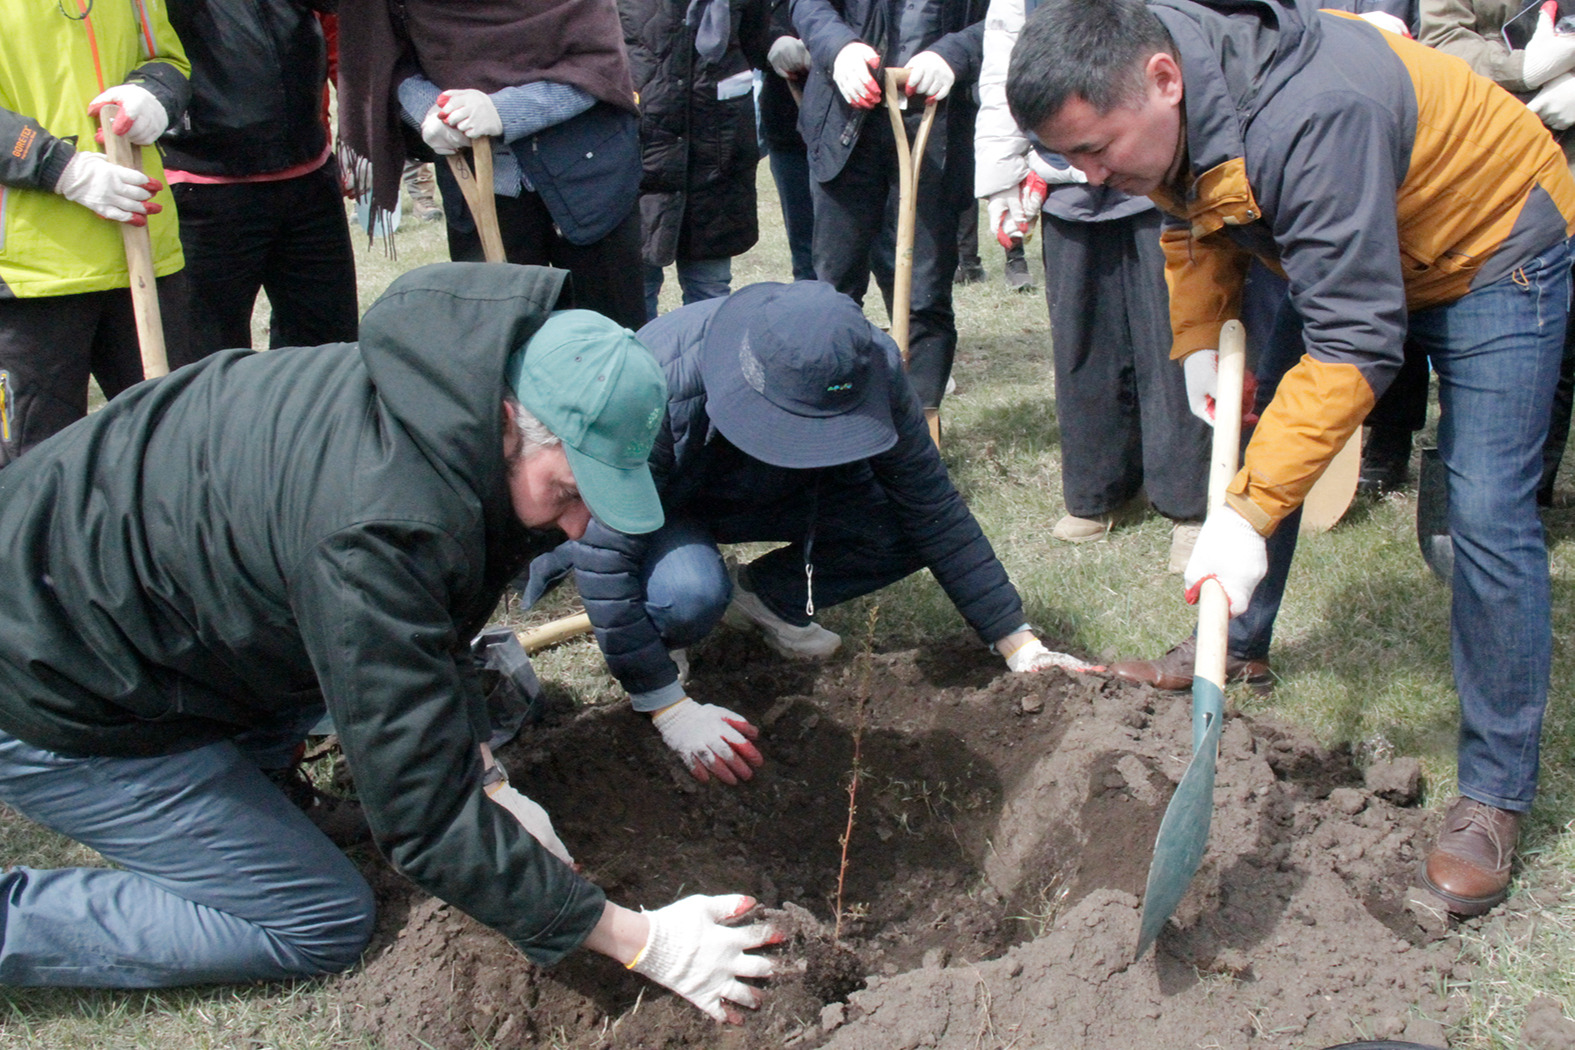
(1184, 830)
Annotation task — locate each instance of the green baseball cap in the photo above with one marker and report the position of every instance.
(599, 389)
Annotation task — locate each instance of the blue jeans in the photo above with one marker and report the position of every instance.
(225, 881)
(1496, 351)
(790, 171)
(701, 279)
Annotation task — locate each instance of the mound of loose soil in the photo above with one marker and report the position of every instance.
(1001, 839)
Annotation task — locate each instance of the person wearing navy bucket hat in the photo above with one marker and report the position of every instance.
(789, 419)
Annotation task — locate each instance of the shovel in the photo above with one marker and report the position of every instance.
(477, 191)
(1432, 517)
(1184, 831)
(909, 161)
(139, 258)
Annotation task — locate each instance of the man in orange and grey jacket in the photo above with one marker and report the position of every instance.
(1397, 192)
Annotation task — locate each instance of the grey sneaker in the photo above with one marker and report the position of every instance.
(748, 613)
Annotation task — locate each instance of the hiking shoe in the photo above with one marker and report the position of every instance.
(748, 613)
(1074, 529)
(1469, 867)
(1386, 461)
(969, 272)
(1173, 671)
(1183, 537)
(341, 819)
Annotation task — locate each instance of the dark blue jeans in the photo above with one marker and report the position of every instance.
(1496, 351)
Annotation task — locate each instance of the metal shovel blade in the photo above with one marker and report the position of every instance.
(1184, 831)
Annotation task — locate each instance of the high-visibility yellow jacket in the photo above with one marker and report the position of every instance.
(51, 66)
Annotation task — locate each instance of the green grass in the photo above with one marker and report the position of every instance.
(1361, 651)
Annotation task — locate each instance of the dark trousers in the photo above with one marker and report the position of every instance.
(289, 238)
(1121, 402)
(790, 171)
(849, 212)
(50, 346)
(606, 275)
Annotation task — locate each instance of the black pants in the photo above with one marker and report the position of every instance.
(1120, 400)
(49, 347)
(606, 275)
(849, 212)
(289, 238)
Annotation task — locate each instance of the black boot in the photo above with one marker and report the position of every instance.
(1386, 460)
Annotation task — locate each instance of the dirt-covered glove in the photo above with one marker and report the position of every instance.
(1554, 105)
(711, 740)
(1033, 656)
(532, 818)
(1549, 52)
(443, 139)
(691, 952)
(1201, 369)
(1388, 23)
(471, 111)
(141, 118)
(1015, 212)
(789, 57)
(121, 194)
(852, 73)
(1232, 552)
(930, 76)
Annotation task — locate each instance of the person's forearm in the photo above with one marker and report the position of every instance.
(621, 934)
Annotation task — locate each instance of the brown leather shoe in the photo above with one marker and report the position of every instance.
(1469, 867)
(1173, 671)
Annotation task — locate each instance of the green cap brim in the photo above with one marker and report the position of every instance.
(623, 499)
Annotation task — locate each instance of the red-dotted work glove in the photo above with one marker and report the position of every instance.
(443, 139)
(1232, 552)
(852, 73)
(1033, 656)
(141, 118)
(691, 952)
(472, 112)
(1201, 369)
(711, 740)
(789, 57)
(532, 818)
(1014, 212)
(1549, 52)
(117, 193)
(930, 75)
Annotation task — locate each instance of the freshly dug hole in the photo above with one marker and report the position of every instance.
(1001, 842)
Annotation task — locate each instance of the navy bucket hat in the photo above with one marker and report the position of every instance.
(796, 377)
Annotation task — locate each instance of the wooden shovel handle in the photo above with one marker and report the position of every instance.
(477, 191)
(1213, 606)
(909, 161)
(139, 258)
(552, 633)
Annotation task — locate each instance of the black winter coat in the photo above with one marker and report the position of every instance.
(218, 549)
(953, 29)
(934, 517)
(257, 76)
(699, 150)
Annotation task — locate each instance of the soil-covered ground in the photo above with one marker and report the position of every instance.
(1001, 836)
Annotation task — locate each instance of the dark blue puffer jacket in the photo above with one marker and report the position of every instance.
(934, 517)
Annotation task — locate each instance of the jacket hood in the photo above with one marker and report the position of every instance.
(435, 345)
(1235, 56)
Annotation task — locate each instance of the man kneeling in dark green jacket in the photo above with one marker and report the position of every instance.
(192, 572)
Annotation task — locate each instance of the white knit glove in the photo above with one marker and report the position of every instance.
(1201, 369)
(1554, 105)
(789, 57)
(851, 72)
(443, 139)
(471, 111)
(1033, 656)
(930, 76)
(711, 740)
(1232, 552)
(106, 188)
(690, 952)
(141, 118)
(1549, 52)
(1015, 212)
(1387, 22)
(532, 818)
